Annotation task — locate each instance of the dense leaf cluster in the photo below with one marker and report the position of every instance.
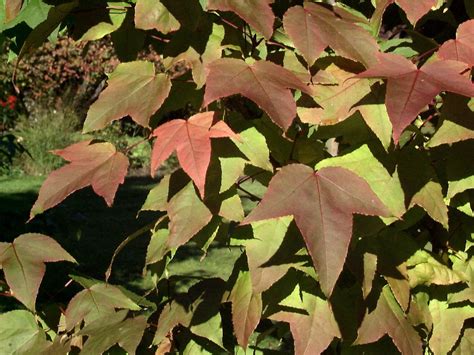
(330, 140)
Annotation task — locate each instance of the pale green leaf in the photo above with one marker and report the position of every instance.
(431, 199)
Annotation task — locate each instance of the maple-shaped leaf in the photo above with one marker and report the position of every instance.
(257, 13)
(246, 308)
(98, 165)
(410, 89)
(264, 82)
(461, 48)
(388, 318)
(23, 261)
(191, 139)
(314, 331)
(322, 204)
(135, 90)
(93, 303)
(313, 27)
(152, 14)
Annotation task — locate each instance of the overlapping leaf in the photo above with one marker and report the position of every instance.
(98, 165)
(23, 261)
(461, 48)
(413, 9)
(313, 27)
(257, 13)
(322, 204)
(388, 318)
(191, 139)
(12, 9)
(410, 89)
(264, 82)
(134, 89)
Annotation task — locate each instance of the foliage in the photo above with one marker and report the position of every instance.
(329, 141)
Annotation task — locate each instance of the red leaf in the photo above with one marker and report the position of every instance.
(415, 9)
(99, 165)
(191, 139)
(257, 13)
(313, 27)
(410, 89)
(461, 48)
(322, 204)
(264, 82)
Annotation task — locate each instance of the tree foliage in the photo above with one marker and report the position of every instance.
(330, 140)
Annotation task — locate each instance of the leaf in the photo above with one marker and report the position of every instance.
(447, 325)
(410, 89)
(314, 331)
(23, 261)
(343, 97)
(98, 165)
(134, 89)
(313, 27)
(246, 308)
(363, 163)
(461, 48)
(114, 329)
(188, 215)
(388, 318)
(95, 302)
(152, 14)
(322, 204)
(257, 13)
(191, 139)
(254, 146)
(20, 334)
(458, 121)
(466, 343)
(430, 198)
(102, 29)
(12, 9)
(415, 9)
(423, 269)
(171, 315)
(264, 82)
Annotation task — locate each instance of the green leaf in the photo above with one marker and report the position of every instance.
(423, 269)
(102, 29)
(23, 261)
(113, 329)
(430, 198)
(447, 325)
(389, 319)
(20, 334)
(100, 300)
(33, 13)
(363, 163)
(253, 145)
(246, 308)
(133, 89)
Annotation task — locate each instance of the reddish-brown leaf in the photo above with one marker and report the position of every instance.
(313, 27)
(414, 9)
(257, 13)
(388, 318)
(410, 89)
(191, 139)
(322, 204)
(264, 82)
(23, 264)
(98, 165)
(12, 9)
(461, 48)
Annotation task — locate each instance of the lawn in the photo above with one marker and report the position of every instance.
(91, 231)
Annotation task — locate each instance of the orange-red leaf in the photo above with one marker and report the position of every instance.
(99, 165)
(322, 204)
(257, 13)
(461, 48)
(313, 27)
(264, 82)
(191, 139)
(410, 89)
